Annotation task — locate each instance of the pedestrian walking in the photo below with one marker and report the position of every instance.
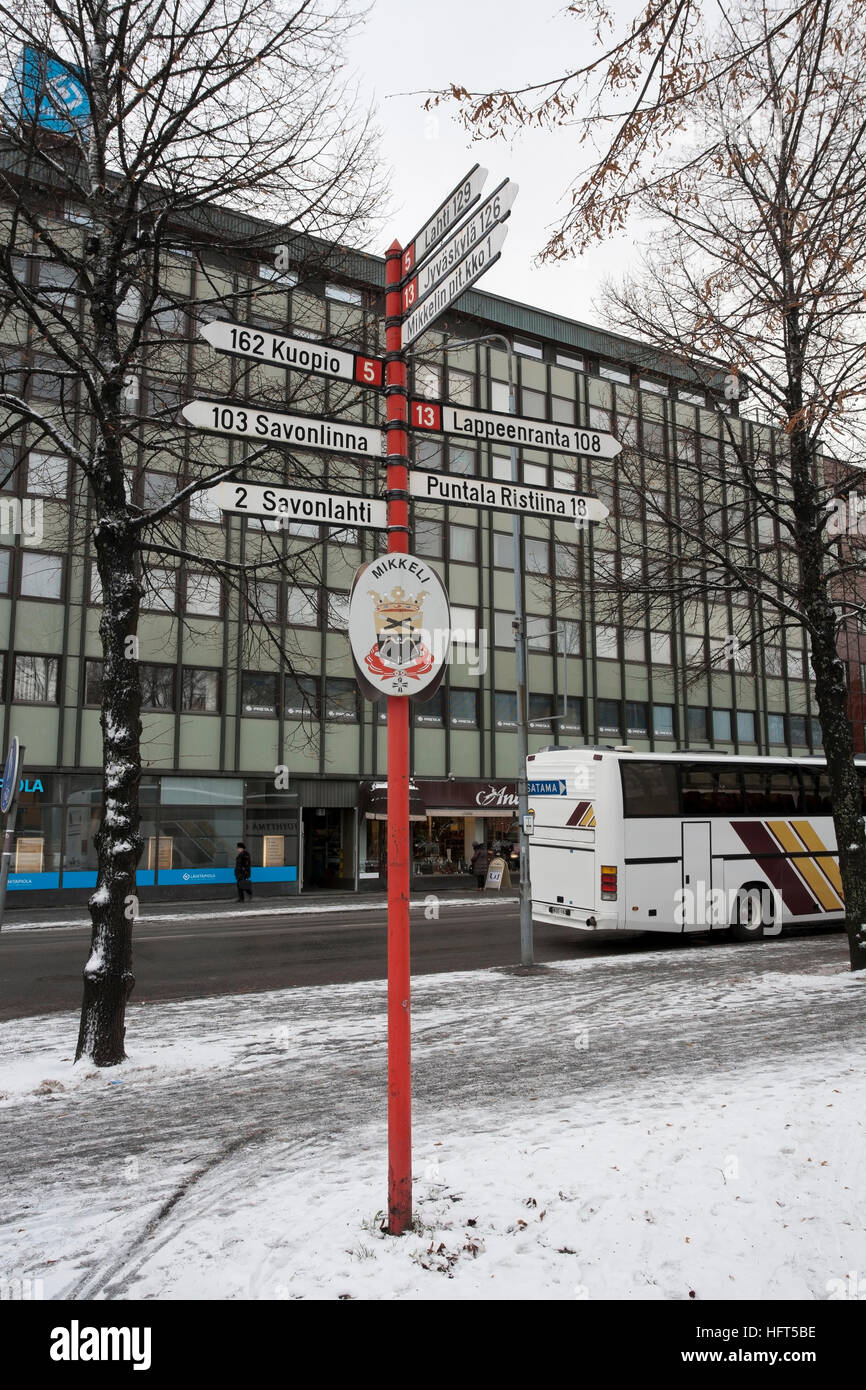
(243, 871)
(480, 863)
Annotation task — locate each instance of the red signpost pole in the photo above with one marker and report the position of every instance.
(399, 1028)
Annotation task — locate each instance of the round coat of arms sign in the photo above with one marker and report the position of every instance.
(399, 627)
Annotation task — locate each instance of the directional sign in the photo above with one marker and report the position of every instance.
(446, 216)
(302, 431)
(298, 504)
(513, 429)
(455, 490)
(495, 209)
(485, 253)
(300, 354)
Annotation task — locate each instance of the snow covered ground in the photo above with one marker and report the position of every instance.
(670, 1126)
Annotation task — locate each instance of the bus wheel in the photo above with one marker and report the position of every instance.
(753, 913)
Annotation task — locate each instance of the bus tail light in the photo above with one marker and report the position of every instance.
(608, 882)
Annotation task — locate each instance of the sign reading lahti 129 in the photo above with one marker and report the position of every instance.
(302, 431)
(446, 257)
(299, 354)
(446, 216)
(514, 429)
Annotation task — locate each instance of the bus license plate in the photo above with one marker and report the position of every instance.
(562, 911)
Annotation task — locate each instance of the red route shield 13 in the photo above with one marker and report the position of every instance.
(399, 627)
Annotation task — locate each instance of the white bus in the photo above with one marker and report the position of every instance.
(676, 842)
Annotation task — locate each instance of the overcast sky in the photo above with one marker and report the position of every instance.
(481, 44)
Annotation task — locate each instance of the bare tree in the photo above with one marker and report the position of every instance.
(149, 147)
(739, 136)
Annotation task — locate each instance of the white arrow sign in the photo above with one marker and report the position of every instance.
(468, 271)
(297, 504)
(446, 216)
(300, 354)
(452, 490)
(495, 209)
(513, 429)
(301, 431)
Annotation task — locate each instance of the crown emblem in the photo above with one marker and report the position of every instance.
(396, 612)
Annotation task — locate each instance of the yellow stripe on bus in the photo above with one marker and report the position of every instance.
(807, 868)
(824, 857)
(588, 817)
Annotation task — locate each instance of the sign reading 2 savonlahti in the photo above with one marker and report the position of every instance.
(399, 627)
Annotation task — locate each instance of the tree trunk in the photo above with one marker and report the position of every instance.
(108, 977)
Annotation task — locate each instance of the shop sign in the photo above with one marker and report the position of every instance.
(486, 796)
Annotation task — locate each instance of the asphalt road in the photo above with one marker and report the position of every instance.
(224, 952)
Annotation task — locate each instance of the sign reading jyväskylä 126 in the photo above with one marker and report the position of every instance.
(493, 210)
(452, 489)
(446, 216)
(299, 504)
(399, 627)
(303, 431)
(484, 254)
(298, 354)
(513, 429)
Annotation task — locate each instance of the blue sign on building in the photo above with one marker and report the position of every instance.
(49, 92)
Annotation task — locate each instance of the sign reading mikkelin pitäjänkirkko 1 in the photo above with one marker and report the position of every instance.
(399, 627)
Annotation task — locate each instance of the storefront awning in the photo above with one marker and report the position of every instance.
(374, 801)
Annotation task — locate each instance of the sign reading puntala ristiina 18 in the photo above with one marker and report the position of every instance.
(399, 627)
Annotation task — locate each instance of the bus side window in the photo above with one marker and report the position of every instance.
(825, 799)
(783, 793)
(697, 791)
(649, 789)
(810, 805)
(755, 798)
(729, 793)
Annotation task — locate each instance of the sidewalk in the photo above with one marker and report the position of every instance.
(660, 1126)
(307, 904)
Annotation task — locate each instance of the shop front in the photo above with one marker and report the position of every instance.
(447, 819)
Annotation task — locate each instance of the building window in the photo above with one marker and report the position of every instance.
(660, 648)
(430, 714)
(606, 643)
(536, 556)
(794, 663)
(657, 388)
(636, 718)
(533, 403)
(462, 708)
(797, 730)
(428, 381)
(343, 294)
(461, 460)
(565, 359)
(566, 560)
(773, 661)
(634, 644)
(663, 721)
(203, 594)
(539, 635)
(259, 694)
(696, 723)
(540, 710)
(461, 387)
(505, 709)
(612, 372)
(573, 717)
(157, 489)
(263, 600)
(338, 610)
(157, 686)
(609, 717)
(341, 700)
(599, 419)
(428, 453)
(35, 681)
(463, 544)
(776, 728)
(93, 682)
(47, 475)
(301, 697)
(569, 642)
(203, 507)
(817, 736)
(41, 575)
(288, 278)
(200, 690)
(503, 632)
(503, 550)
(429, 538)
(722, 725)
(528, 349)
(302, 609)
(695, 651)
(95, 585)
(745, 726)
(160, 590)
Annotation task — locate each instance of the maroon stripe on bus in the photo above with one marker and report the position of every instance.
(577, 813)
(781, 874)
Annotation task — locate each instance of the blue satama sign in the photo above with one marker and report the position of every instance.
(51, 93)
(554, 787)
